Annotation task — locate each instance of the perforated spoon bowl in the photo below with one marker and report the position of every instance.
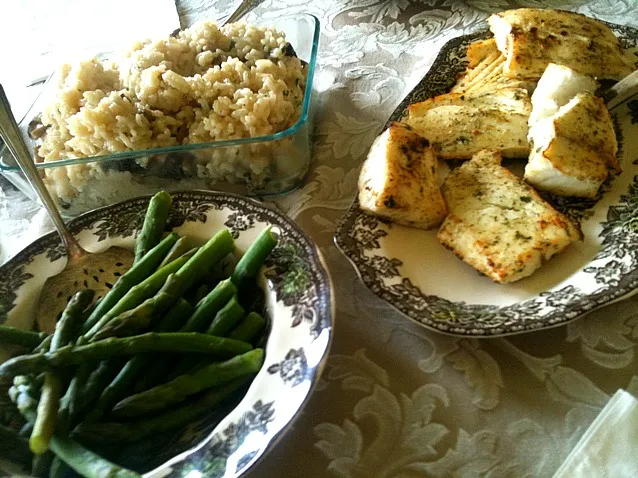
(97, 271)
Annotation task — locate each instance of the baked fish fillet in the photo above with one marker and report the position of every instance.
(574, 149)
(497, 223)
(478, 50)
(532, 38)
(398, 180)
(458, 125)
(484, 71)
(558, 85)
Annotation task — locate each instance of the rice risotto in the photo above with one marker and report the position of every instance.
(199, 85)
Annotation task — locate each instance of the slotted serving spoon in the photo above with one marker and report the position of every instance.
(97, 271)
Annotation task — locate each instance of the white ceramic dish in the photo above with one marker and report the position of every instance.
(409, 269)
(298, 305)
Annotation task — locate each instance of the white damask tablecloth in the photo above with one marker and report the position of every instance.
(396, 400)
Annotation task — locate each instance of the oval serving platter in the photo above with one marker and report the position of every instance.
(299, 307)
(411, 271)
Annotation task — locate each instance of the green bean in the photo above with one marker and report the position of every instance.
(24, 338)
(186, 385)
(141, 271)
(85, 462)
(208, 307)
(137, 294)
(47, 414)
(154, 224)
(249, 329)
(126, 377)
(181, 247)
(113, 432)
(183, 342)
(254, 257)
(68, 327)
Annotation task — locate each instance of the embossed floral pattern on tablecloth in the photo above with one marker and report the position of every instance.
(397, 400)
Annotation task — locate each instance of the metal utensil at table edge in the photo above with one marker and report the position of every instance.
(243, 9)
(622, 91)
(97, 271)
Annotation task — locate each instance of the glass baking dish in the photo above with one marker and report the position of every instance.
(257, 166)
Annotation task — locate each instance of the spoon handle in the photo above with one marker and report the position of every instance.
(622, 91)
(244, 7)
(10, 133)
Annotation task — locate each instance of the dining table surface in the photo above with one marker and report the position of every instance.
(396, 399)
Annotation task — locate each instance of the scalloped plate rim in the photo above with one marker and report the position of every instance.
(88, 219)
(346, 224)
